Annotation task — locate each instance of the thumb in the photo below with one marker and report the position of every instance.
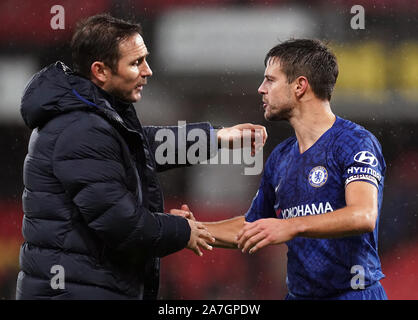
(185, 207)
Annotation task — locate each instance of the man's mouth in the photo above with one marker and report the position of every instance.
(139, 87)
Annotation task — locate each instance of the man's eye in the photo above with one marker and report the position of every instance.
(137, 62)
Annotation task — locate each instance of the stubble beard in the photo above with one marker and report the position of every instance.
(284, 113)
(125, 96)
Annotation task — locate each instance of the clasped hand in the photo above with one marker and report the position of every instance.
(251, 238)
(261, 233)
(199, 235)
(240, 134)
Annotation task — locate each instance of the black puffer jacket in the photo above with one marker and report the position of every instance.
(92, 202)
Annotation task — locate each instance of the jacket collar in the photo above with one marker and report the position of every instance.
(56, 89)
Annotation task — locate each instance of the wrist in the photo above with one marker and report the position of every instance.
(298, 227)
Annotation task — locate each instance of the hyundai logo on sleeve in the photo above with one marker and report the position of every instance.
(366, 157)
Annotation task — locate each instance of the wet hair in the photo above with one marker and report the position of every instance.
(309, 58)
(97, 38)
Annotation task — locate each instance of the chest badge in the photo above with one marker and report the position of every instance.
(318, 176)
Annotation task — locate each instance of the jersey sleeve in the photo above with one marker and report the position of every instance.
(361, 159)
(262, 205)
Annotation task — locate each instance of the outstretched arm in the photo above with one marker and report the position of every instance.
(359, 216)
(179, 146)
(225, 231)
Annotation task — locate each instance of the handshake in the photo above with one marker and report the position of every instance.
(227, 233)
(200, 237)
(232, 233)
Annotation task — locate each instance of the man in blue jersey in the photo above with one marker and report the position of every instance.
(321, 190)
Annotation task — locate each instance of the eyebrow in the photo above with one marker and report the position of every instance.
(269, 76)
(141, 57)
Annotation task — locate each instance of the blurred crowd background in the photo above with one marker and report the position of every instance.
(207, 58)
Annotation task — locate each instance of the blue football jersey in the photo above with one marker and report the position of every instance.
(312, 183)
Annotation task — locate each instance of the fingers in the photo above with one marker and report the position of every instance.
(256, 235)
(181, 213)
(207, 236)
(260, 130)
(196, 250)
(203, 233)
(185, 207)
(263, 133)
(200, 237)
(258, 138)
(265, 136)
(247, 226)
(256, 146)
(202, 243)
(253, 242)
(259, 245)
(248, 232)
(200, 225)
(252, 237)
(184, 212)
(255, 134)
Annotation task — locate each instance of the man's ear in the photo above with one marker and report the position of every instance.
(301, 86)
(99, 72)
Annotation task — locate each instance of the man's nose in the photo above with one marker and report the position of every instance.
(146, 71)
(261, 89)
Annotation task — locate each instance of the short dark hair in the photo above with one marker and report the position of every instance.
(309, 58)
(97, 38)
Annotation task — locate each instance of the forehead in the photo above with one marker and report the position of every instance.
(133, 46)
(273, 67)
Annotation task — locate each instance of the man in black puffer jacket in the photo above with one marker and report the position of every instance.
(93, 207)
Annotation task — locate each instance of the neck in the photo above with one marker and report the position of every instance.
(116, 102)
(310, 121)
